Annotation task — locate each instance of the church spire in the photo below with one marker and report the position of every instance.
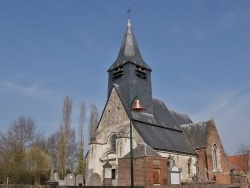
(130, 73)
(129, 51)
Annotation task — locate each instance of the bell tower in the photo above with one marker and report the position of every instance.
(131, 73)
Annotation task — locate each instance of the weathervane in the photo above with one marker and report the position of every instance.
(129, 10)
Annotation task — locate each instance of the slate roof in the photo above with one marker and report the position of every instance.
(197, 133)
(163, 116)
(143, 150)
(159, 130)
(180, 118)
(164, 139)
(129, 51)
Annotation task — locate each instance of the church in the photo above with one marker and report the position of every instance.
(168, 147)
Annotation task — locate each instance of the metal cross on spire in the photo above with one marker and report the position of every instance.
(129, 11)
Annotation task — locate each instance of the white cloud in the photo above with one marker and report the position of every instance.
(220, 23)
(226, 104)
(33, 90)
(230, 110)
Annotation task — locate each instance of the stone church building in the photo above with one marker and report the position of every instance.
(169, 148)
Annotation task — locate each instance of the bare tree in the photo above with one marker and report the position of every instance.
(82, 118)
(52, 149)
(20, 136)
(61, 154)
(66, 145)
(67, 110)
(243, 149)
(22, 132)
(71, 152)
(40, 141)
(93, 120)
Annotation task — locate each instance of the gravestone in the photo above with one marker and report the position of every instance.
(70, 180)
(56, 176)
(79, 180)
(95, 180)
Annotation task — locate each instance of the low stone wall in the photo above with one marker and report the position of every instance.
(200, 185)
(241, 179)
(22, 186)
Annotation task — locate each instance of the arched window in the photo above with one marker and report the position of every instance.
(113, 174)
(216, 161)
(168, 163)
(189, 166)
(113, 142)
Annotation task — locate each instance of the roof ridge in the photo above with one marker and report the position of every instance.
(198, 123)
(178, 112)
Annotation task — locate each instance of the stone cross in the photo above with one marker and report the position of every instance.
(129, 11)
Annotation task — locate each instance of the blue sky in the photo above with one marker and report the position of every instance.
(199, 51)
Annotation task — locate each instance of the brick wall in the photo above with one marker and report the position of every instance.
(223, 176)
(140, 171)
(206, 158)
(202, 162)
(144, 168)
(157, 164)
(123, 172)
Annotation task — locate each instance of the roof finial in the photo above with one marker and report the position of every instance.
(129, 10)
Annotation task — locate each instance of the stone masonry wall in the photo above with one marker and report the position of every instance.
(114, 120)
(239, 179)
(181, 161)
